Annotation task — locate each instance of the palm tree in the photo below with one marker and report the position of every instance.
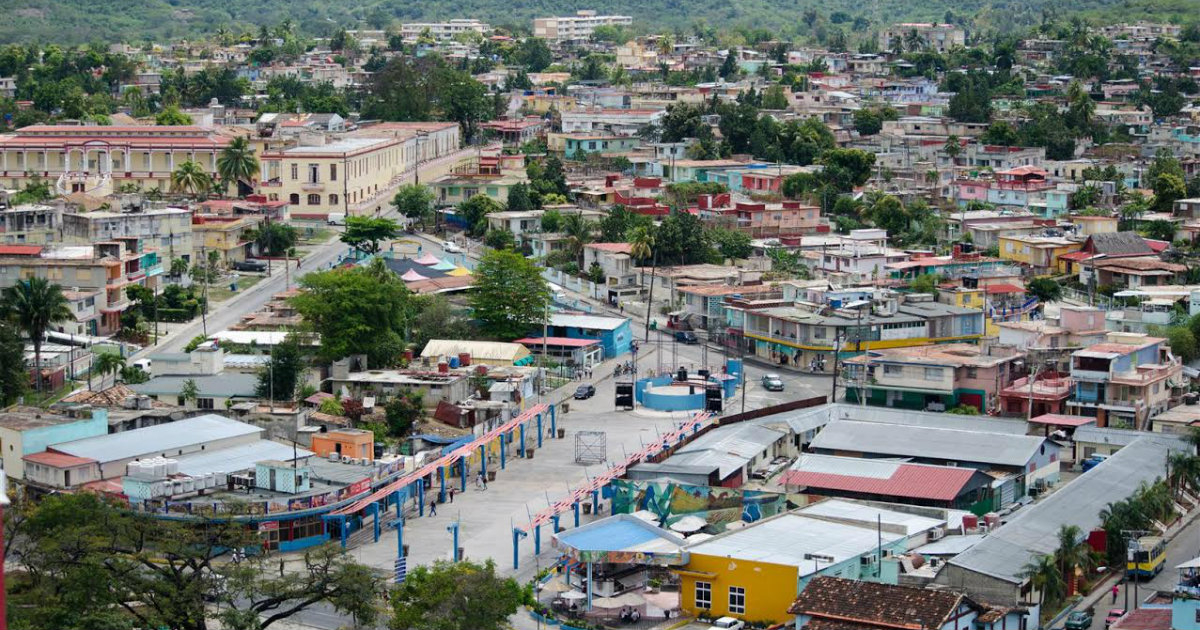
(579, 233)
(190, 178)
(36, 305)
(1073, 554)
(1183, 469)
(106, 363)
(237, 163)
(1042, 573)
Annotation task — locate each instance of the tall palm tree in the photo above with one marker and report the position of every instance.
(190, 178)
(1042, 573)
(1073, 554)
(106, 363)
(36, 305)
(641, 247)
(579, 233)
(237, 163)
(1183, 469)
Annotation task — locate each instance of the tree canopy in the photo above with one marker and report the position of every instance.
(511, 297)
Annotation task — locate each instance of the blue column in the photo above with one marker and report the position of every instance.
(375, 513)
(420, 497)
(555, 520)
(453, 527)
(442, 479)
(539, 419)
(342, 529)
(522, 429)
(483, 458)
(399, 503)
(553, 420)
(596, 502)
(400, 537)
(463, 477)
(575, 506)
(537, 540)
(516, 547)
(503, 445)
(589, 588)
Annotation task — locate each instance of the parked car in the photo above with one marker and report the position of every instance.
(687, 336)
(583, 392)
(729, 623)
(1093, 461)
(450, 247)
(1079, 620)
(250, 265)
(1113, 615)
(772, 383)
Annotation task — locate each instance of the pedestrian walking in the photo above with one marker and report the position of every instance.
(1114, 593)
(432, 508)
(452, 495)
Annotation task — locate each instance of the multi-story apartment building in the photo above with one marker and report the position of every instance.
(350, 175)
(1124, 381)
(169, 230)
(36, 224)
(621, 122)
(939, 37)
(224, 235)
(442, 31)
(100, 159)
(576, 28)
(95, 276)
(936, 377)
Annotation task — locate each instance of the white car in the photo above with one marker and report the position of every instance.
(729, 623)
(451, 248)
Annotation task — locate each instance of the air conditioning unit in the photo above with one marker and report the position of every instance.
(937, 533)
(867, 560)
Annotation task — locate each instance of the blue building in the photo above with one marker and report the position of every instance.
(614, 333)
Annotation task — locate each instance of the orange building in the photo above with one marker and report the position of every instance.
(356, 443)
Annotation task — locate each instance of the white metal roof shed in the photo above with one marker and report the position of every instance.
(156, 439)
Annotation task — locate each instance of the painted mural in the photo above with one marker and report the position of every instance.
(717, 506)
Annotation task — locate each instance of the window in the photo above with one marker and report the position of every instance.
(314, 174)
(294, 198)
(737, 600)
(204, 403)
(893, 370)
(703, 595)
(295, 172)
(146, 161)
(333, 172)
(333, 200)
(972, 373)
(933, 374)
(314, 200)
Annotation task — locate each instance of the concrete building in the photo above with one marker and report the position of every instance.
(168, 230)
(725, 456)
(576, 28)
(433, 388)
(1124, 381)
(946, 375)
(621, 278)
(353, 443)
(885, 480)
(347, 176)
(99, 159)
(442, 31)
(614, 333)
(921, 35)
(32, 224)
(28, 430)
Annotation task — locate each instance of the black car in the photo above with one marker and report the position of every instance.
(250, 265)
(583, 392)
(687, 336)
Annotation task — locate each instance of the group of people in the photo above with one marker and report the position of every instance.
(630, 614)
(582, 373)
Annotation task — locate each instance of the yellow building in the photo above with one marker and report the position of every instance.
(100, 159)
(1037, 252)
(226, 235)
(318, 177)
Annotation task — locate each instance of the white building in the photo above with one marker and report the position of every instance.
(578, 27)
(443, 31)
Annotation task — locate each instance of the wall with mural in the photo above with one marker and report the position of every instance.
(717, 506)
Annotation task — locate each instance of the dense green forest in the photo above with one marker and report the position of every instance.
(79, 21)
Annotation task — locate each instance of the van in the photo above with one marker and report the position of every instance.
(687, 336)
(336, 218)
(144, 364)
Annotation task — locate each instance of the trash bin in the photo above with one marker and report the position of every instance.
(491, 475)
(529, 454)
(562, 433)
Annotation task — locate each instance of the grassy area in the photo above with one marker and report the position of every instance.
(48, 398)
(318, 236)
(220, 292)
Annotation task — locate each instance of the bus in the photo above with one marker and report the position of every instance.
(1146, 557)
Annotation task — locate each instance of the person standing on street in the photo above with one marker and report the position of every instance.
(1114, 593)
(432, 509)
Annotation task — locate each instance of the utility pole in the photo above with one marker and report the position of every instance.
(207, 270)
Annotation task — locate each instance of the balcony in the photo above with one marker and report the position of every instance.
(1043, 389)
(1091, 376)
(312, 186)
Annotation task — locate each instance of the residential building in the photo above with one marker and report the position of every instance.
(621, 278)
(1039, 253)
(433, 388)
(788, 218)
(515, 132)
(345, 443)
(31, 224)
(608, 122)
(168, 230)
(1124, 381)
(939, 37)
(576, 28)
(1045, 392)
(411, 32)
(578, 145)
(28, 430)
(99, 159)
(724, 456)
(837, 602)
(947, 376)
(222, 234)
(489, 175)
(614, 333)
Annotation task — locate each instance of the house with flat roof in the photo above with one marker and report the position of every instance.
(947, 374)
(756, 572)
(1125, 380)
(614, 333)
(28, 430)
(724, 456)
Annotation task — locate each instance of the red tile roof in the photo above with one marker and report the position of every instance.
(937, 483)
(58, 460)
(1004, 287)
(20, 250)
(1145, 619)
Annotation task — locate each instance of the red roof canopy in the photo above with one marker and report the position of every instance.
(909, 480)
(20, 250)
(58, 460)
(1061, 420)
(559, 341)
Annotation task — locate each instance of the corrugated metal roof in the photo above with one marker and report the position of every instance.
(1004, 449)
(1004, 553)
(727, 448)
(157, 439)
(881, 477)
(786, 539)
(237, 458)
(586, 321)
(480, 351)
